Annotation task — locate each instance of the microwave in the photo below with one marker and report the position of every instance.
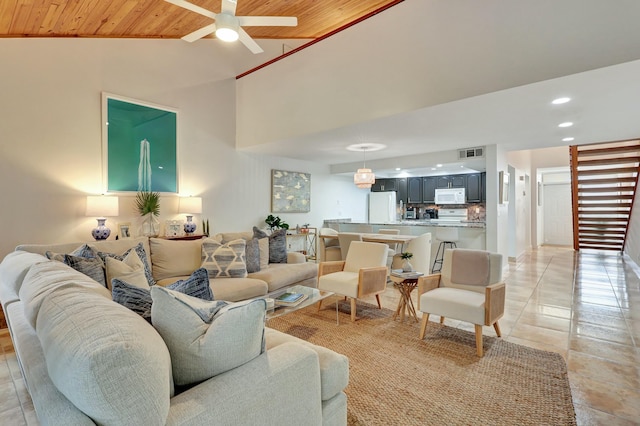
(450, 196)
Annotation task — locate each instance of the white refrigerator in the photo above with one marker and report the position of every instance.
(382, 207)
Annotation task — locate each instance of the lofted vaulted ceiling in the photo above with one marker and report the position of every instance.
(159, 19)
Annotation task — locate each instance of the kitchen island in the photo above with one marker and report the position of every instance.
(471, 233)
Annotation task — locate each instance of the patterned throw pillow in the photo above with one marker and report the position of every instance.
(142, 254)
(252, 255)
(277, 244)
(92, 267)
(224, 260)
(227, 334)
(139, 299)
(82, 251)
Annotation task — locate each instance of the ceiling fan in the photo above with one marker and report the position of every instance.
(228, 26)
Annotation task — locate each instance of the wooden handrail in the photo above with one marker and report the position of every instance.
(573, 155)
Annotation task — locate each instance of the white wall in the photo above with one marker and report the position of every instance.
(50, 141)
(496, 214)
(421, 53)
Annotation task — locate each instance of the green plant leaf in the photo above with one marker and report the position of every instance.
(148, 202)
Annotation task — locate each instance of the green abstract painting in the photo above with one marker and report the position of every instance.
(140, 152)
(290, 192)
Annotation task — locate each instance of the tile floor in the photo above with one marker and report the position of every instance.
(585, 306)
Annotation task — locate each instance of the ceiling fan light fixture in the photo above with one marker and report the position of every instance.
(227, 27)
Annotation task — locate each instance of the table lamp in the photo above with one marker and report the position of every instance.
(190, 206)
(101, 206)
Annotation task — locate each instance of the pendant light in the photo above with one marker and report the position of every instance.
(364, 177)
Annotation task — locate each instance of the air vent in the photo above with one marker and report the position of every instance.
(471, 153)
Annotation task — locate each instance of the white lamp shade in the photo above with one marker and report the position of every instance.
(364, 178)
(102, 206)
(192, 205)
(227, 27)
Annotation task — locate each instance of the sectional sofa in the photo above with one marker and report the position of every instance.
(89, 360)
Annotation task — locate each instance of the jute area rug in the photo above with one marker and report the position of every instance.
(396, 379)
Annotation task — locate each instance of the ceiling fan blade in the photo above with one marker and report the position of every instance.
(198, 34)
(229, 6)
(248, 41)
(268, 21)
(192, 7)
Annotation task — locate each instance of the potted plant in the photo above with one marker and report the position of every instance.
(406, 265)
(148, 206)
(275, 222)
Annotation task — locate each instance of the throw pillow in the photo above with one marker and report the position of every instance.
(82, 251)
(224, 260)
(207, 338)
(130, 270)
(142, 254)
(277, 244)
(252, 255)
(264, 252)
(92, 267)
(139, 299)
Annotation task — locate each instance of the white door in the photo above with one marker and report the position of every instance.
(558, 221)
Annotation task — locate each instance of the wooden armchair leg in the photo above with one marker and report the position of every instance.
(378, 299)
(479, 340)
(423, 326)
(353, 310)
(320, 304)
(441, 320)
(497, 328)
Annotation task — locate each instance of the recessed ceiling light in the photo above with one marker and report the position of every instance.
(438, 165)
(559, 101)
(398, 169)
(433, 168)
(565, 124)
(569, 139)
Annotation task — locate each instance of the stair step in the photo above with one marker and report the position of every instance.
(599, 247)
(582, 151)
(607, 161)
(627, 179)
(605, 189)
(608, 171)
(605, 197)
(604, 212)
(602, 238)
(599, 205)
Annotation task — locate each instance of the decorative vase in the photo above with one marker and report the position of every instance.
(189, 226)
(101, 232)
(150, 225)
(407, 266)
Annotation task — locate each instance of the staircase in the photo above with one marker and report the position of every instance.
(604, 178)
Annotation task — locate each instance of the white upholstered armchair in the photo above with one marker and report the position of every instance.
(363, 272)
(469, 288)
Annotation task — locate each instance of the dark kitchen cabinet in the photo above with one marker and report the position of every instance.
(384, 184)
(429, 185)
(474, 188)
(452, 181)
(401, 190)
(414, 190)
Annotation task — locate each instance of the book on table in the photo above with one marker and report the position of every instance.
(290, 299)
(407, 275)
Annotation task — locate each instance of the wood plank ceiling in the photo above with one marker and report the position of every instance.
(159, 19)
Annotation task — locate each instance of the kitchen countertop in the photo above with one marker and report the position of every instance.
(428, 222)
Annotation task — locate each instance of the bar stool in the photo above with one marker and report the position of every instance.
(448, 237)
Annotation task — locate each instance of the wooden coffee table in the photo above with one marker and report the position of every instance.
(405, 282)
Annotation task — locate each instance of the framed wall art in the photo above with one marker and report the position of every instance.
(290, 192)
(139, 148)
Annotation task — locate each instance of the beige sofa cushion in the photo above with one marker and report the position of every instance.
(236, 289)
(172, 258)
(279, 275)
(105, 359)
(225, 237)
